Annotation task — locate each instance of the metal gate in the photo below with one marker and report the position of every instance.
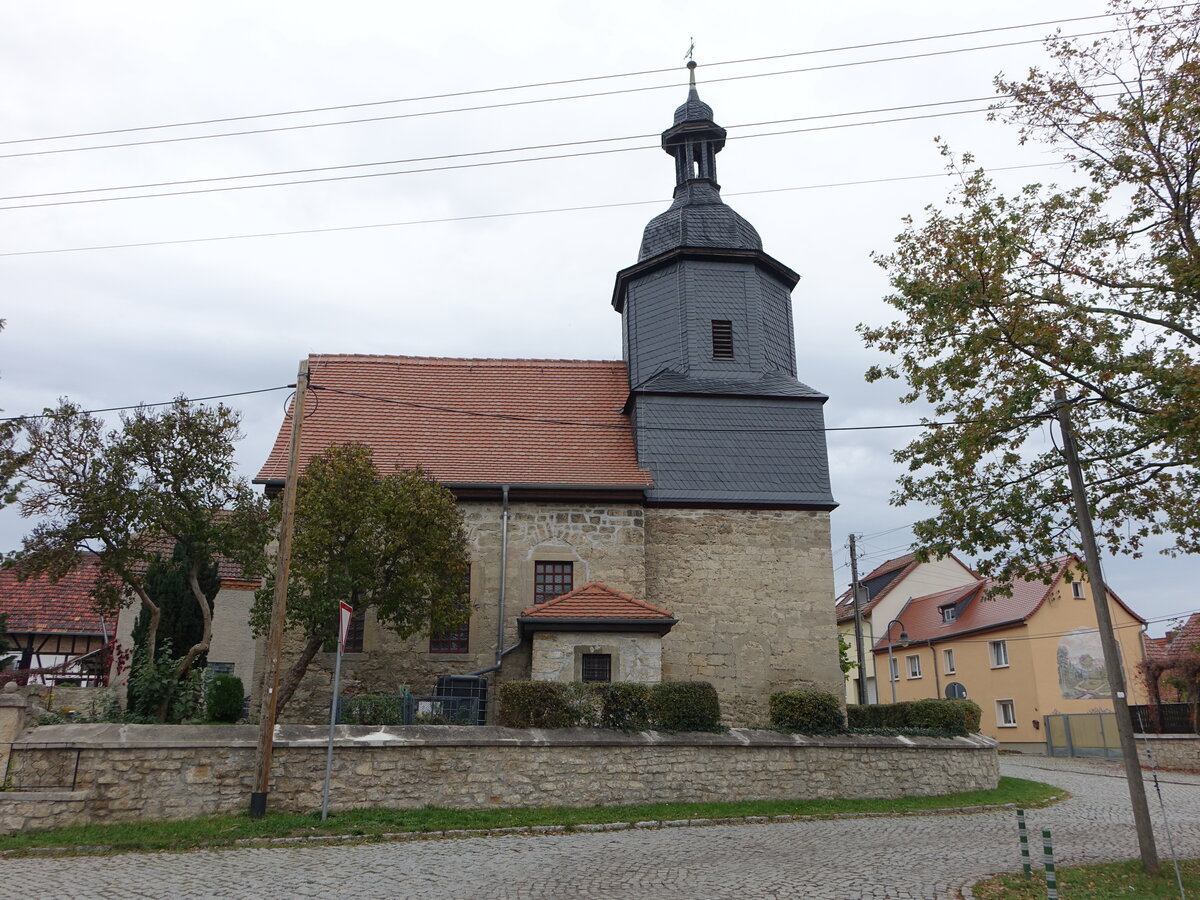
(1083, 734)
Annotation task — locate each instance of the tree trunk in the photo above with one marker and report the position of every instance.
(201, 646)
(296, 673)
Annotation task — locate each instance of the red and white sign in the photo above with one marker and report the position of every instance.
(344, 624)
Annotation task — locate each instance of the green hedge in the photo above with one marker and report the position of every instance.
(948, 716)
(807, 712)
(685, 706)
(625, 706)
(671, 706)
(223, 698)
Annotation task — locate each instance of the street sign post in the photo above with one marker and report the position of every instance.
(344, 613)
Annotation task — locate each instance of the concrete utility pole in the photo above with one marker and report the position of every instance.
(856, 592)
(1108, 640)
(283, 559)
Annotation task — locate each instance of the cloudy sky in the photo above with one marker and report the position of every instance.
(437, 225)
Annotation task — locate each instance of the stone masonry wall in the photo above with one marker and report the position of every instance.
(604, 542)
(164, 772)
(557, 655)
(1170, 751)
(751, 591)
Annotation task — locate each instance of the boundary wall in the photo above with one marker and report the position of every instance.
(70, 774)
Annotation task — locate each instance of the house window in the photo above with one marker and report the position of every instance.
(597, 667)
(722, 339)
(955, 691)
(948, 662)
(551, 579)
(459, 639)
(1006, 714)
(998, 651)
(949, 614)
(914, 666)
(1077, 590)
(895, 667)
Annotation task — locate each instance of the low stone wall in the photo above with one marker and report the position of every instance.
(171, 772)
(1169, 751)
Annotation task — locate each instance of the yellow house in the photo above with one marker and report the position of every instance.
(886, 589)
(1020, 658)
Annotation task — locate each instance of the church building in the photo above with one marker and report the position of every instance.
(661, 517)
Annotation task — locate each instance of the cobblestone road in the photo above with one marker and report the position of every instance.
(902, 857)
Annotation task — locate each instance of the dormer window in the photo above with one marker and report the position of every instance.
(722, 339)
(949, 614)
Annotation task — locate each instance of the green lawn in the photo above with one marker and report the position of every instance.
(218, 831)
(1102, 882)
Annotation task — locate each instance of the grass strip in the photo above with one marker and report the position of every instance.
(1096, 882)
(222, 831)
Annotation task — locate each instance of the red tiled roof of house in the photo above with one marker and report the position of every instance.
(922, 616)
(472, 421)
(902, 566)
(229, 572)
(595, 601)
(1156, 649)
(1184, 641)
(39, 607)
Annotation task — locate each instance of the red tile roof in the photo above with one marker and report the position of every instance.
(1182, 642)
(922, 616)
(472, 421)
(901, 565)
(595, 601)
(39, 607)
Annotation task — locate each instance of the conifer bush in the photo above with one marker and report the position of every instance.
(537, 704)
(224, 698)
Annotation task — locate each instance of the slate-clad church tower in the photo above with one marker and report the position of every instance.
(737, 519)
(719, 415)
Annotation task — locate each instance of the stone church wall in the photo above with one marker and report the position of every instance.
(604, 542)
(751, 590)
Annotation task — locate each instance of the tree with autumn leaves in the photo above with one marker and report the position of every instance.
(164, 479)
(1092, 288)
(393, 543)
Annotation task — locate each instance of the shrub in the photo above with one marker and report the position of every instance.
(372, 709)
(807, 712)
(224, 698)
(685, 706)
(625, 705)
(536, 704)
(960, 717)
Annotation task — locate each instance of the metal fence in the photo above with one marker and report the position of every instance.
(1166, 718)
(1083, 734)
(409, 709)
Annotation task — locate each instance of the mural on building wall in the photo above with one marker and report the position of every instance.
(1081, 674)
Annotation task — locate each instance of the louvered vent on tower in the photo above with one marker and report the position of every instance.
(722, 339)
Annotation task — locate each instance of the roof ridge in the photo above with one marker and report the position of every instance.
(503, 360)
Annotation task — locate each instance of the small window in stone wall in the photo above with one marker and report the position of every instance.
(220, 668)
(597, 667)
(552, 579)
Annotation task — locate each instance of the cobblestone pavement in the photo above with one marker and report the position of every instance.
(900, 857)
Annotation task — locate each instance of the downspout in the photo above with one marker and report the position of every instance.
(937, 681)
(501, 653)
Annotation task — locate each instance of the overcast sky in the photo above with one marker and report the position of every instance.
(112, 327)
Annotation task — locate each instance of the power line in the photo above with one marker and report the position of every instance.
(88, 412)
(527, 148)
(561, 82)
(483, 164)
(483, 415)
(485, 216)
(540, 100)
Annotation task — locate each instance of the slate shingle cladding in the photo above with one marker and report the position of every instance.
(714, 431)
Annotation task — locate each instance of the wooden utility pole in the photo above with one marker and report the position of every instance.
(1108, 640)
(856, 593)
(283, 558)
